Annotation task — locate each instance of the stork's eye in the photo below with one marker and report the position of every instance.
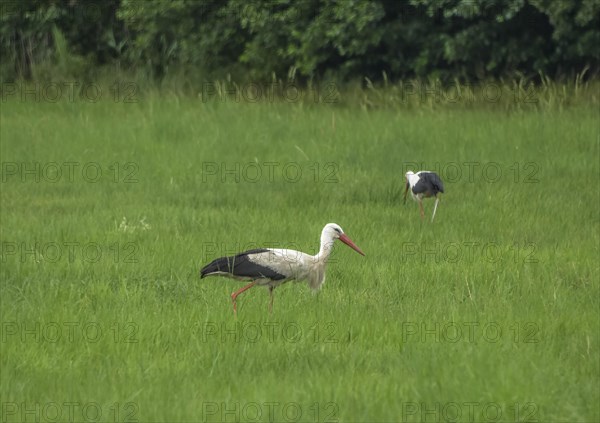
(337, 230)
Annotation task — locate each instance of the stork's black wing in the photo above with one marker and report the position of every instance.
(242, 266)
(428, 182)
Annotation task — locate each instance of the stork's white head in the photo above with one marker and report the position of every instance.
(409, 180)
(333, 231)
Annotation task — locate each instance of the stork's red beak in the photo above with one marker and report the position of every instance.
(344, 238)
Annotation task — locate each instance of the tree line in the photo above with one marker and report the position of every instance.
(301, 40)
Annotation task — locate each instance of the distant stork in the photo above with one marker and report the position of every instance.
(424, 184)
(272, 267)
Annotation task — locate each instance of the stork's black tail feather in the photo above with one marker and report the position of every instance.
(235, 265)
(222, 264)
(435, 181)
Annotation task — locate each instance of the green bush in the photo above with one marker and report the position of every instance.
(304, 40)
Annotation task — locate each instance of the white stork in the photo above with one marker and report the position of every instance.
(272, 267)
(424, 184)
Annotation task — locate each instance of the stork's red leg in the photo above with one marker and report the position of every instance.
(271, 299)
(238, 292)
(422, 211)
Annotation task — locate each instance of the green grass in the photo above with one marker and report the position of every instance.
(511, 262)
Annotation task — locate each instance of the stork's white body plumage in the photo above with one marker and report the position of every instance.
(293, 265)
(272, 267)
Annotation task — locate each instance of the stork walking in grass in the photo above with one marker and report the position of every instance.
(424, 184)
(272, 267)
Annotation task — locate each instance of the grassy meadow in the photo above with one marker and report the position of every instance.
(109, 210)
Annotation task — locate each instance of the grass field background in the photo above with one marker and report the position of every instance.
(489, 314)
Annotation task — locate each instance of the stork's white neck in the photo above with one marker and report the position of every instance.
(326, 248)
(413, 178)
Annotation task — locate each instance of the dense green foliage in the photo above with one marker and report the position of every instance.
(343, 39)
